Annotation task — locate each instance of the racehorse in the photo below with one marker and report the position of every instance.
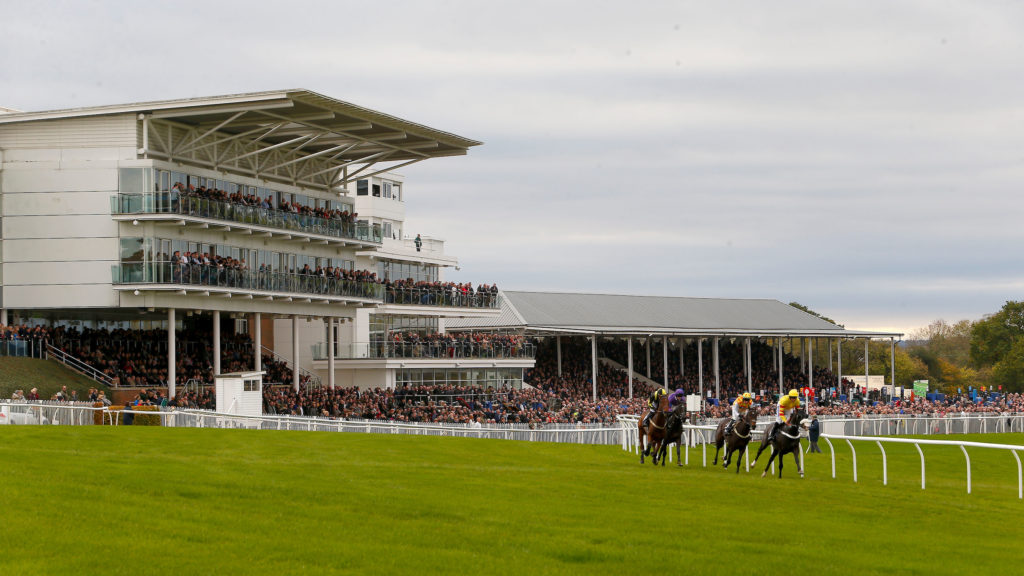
(654, 431)
(737, 440)
(787, 439)
(673, 433)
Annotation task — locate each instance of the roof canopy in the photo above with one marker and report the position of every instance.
(313, 135)
(555, 313)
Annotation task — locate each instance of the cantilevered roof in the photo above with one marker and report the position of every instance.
(310, 125)
(554, 312)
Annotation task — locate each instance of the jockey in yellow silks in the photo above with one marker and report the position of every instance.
(739, 409)
(787, 405)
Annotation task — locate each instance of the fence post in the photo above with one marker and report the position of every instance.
(918, 446)
(832, 451)
(885, 465)
(968, 457)
(1020, 478)
(854, 450)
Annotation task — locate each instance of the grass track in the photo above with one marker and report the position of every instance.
(90, 500)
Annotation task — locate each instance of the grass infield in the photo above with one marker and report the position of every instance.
(102, 500)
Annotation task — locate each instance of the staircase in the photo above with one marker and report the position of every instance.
(78, 366)
(312, 379)
(636, 377)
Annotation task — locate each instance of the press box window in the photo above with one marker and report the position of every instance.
(363, 188)
(251, 385)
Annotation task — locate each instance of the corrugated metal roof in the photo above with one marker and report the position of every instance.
(607, 313)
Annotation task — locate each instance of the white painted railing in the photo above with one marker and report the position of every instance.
(880, 442)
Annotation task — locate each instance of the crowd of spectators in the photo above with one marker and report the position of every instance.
(437, 293)
(413, 344)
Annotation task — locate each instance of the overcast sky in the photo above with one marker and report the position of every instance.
(865, 159)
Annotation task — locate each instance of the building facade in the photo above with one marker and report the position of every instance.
(282, 210)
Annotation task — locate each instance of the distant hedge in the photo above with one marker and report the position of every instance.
(137, 420)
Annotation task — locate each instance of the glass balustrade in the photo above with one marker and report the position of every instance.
(213, 276)
(427, 350)
(185, 205)
(439, 296)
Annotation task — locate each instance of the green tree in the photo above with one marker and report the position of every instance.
(994, 337)
(800, 306)
(1009, 371)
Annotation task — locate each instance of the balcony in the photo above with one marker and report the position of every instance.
(204, 211)
(213, 279)
(440, 296)
(441, 350)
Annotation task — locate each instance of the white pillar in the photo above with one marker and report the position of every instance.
(718, 379)
(775, 357)
(648, 345)
(171, 355)
(839, 359)
(664, 360)
(700, 367)
(3, 316)
(781, 363)
(216, 342)
(629, 362)
(750, 368)
(330, 353)
(295, 352)
(803, 354)
(558, 349)
(810, 363)
(593, 357)
(829, 354)
(892, 362)
(682, 344)
(866, 341)
(257, 345)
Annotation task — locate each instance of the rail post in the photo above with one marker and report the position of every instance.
(919, 451)
(885, 465)
(854, 450)
(968, 457)
(832, 452)
(1020, 478)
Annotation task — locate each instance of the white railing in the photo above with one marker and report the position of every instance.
(919, 425)
(47, 412)
(79, 366)
(917, 444)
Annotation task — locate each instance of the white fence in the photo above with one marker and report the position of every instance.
(880, 442)
(83, 414)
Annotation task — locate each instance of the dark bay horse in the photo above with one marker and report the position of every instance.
(654, 431)
(673, 432)
(737, 441)
(787, 440)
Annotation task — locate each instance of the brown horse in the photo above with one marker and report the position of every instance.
(737, 441)
(654, 431)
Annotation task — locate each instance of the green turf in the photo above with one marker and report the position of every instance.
(195, 501)
(46, 375)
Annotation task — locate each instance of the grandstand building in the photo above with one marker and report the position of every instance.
(272, 209)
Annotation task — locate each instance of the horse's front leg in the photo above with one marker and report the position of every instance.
(796, 457)
(679, 460)
(769, 465)
(780, 465)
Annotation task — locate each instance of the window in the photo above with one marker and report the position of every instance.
(362, 188)
(396, 191)
(387, 189)
(376, 190)
(251, 385)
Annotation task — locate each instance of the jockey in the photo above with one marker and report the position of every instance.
(652, 403)
(677, 397)
(787, 405)
(739, 410)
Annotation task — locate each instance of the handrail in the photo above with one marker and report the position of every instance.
(440, 349)
(443, 296)
(79, 366)
(181, 274)
(311, 378)
(173, 203)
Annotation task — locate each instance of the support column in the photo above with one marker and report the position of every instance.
(718, 375)
(629, 362)
(593, 357)
(781, 363)
(216, 342)
(558, 350)
(810, 363)
(803, 354)
(171, 355)
(257, 344)
(330, 353)
(664, 360)
(829, 354)
(866, 363)
(750, 368)
(648, 345)
(682, 365)
(295, 353)
(892, 362)
(3, 316)
(775, 356)
(839, 375)
(700, 367)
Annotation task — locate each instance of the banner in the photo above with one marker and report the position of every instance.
(920, 387)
